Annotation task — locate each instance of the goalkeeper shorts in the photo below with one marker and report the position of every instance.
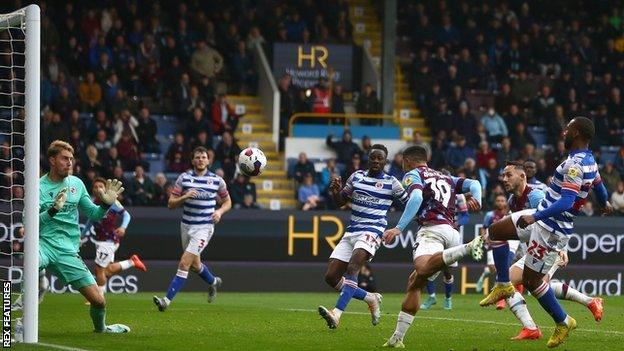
(67, 266)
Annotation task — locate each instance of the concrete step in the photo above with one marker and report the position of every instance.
(273, 183)
(412, 122)
(276, 193)
(256, 136)
(264, 145)
(247, 99)
(284, 203)
(245, 127)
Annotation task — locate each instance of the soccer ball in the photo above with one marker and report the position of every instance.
(251, 161)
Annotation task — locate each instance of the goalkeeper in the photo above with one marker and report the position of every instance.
(60, 196)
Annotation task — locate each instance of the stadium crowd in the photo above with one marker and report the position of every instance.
(120, 65)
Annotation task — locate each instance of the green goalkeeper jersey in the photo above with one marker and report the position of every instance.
(62, 232)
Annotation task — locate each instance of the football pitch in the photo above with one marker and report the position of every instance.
(289, 321)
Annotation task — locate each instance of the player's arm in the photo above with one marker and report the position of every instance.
(466, 185)
(398, 191)
(487, 222)
(414, 185)
(177, 197)
(125, 221)
(45, 215)
(86, 205)
(226, 203)
(339, 193)
(462, 210)
(602, 195)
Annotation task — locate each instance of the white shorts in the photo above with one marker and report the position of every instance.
(513, 247)
(195, 237)
(551, 272)
(369, 242)
(435, 238)
(105, 253)
(542, 245)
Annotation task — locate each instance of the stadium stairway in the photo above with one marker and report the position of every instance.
(367, 32)
(273, 189)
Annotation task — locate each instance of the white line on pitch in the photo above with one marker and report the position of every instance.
(460, 320)
(61, 347)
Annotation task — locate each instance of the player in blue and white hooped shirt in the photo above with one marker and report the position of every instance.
(530, 169)
(546, 230)
(371, 193)
(198, 191)
(438, 243)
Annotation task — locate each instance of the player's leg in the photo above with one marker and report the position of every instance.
(448, 288)
(565, 292)
(541, 256)
(213, 281)
(498, 235)
(430, 287)
(71, 270)
(517, 305)
(177, 282)
(334, 275)
(488, 271)
(410, 305)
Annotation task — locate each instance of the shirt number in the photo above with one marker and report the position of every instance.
(441, 190)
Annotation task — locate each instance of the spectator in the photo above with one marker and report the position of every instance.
(513, 118)
(337, 100)
(465, 124)
(239, 188)
(506, 152)
(180, 149)
(488, 175)
(215, 165)
(353, 166)
(110, 162)
(617, 199)
(197, 124)
(126, 123)
(368, 103)
(544, 106)
(459, 152)
(320, 96)
(495, 126)
(102, 143)
(128, 151)
(521, 136)
(327, 174)
(206, 61)
(345, 149)
(141, 188)
(610, 176)
(249, 203)
(77, 141)
(202, 139)
(227, 153)
(151, 79)
(90, 93)
(243, 69)
(396, 167)
(366, 279)
(309, 195)
(90, 161)
(56, 130)
(224, 118)
(587, 209)
(162, 190)
(303, 167)
(485, 154)
(146, 132)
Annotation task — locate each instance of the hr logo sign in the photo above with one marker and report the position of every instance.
(317, 54)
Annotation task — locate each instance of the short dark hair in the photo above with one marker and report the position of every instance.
(99, 180)
(379, 147)
(529, 160)
(497, 195)
(585, 127)
(415, 153)
(200, 149)
(516, 164)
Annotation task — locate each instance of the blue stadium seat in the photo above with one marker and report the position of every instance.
(608, 153)
(540, 134)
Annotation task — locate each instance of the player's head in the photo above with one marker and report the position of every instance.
(61, 158)
(530, 168)
(500, 202)
(200, 159)
(98, 185)
(377, 158)
(578, 132)
(413, 157)
(513, 177)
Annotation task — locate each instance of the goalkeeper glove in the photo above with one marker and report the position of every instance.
(112, 189)
(59, 202)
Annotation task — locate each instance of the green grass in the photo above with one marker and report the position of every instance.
(288, 321)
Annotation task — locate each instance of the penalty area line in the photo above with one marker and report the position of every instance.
(614, 332)
(60, 347)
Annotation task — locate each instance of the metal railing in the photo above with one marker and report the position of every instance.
(346, 117)
(268, 92)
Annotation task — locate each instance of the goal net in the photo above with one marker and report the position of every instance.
(19, 171)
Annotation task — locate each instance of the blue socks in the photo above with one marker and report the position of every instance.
(430, 287)
(548, 300)
(448, 287)
(205, 274)
(501, 261)
(349, 289)
(176, 284)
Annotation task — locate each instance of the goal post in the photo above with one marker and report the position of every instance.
(20, 56)
(31, 171)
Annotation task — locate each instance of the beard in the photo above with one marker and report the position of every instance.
(567, 142)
